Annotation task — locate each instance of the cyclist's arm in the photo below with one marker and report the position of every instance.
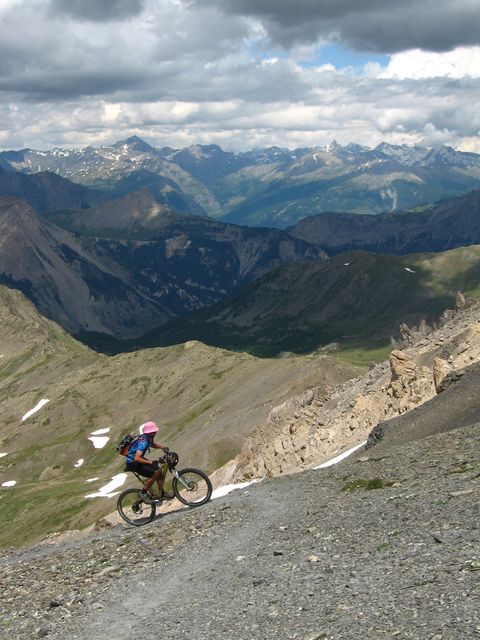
(139, 457)
(154, 445)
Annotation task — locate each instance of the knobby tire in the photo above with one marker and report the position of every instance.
(128, 499)
(201, 491)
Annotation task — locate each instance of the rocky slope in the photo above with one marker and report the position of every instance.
(46, 191)
(71, 279)
(308, 429)
(315, 555)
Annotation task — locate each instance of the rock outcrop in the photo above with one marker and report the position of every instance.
(311, 428)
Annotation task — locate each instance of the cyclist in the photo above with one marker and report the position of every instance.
(136, 461)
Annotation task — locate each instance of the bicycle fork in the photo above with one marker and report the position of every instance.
(186, 484)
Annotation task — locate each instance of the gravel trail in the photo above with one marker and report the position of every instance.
(309, 556)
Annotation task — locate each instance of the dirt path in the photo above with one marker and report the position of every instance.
(181, 595)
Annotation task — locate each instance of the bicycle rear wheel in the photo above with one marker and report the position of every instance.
(133, 509)
(192, 487)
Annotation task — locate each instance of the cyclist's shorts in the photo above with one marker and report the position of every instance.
(145, 470)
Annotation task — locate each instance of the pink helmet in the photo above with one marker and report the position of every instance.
(149, 427)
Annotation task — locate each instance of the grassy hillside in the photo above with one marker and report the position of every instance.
(206, 399)
(355, 300)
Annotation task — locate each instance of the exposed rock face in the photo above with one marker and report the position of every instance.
(314, 427)
(441, 369)
(410, 384)
(411, 334)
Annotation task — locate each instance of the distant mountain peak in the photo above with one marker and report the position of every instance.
(333, 146)
(136, 143)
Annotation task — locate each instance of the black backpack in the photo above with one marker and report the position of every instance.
(123, 447)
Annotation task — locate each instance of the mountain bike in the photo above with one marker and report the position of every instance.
(191, 486)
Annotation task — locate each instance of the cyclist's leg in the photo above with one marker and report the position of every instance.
(157, 476)
(149, 471)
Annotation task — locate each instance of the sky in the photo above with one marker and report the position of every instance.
(239, 73)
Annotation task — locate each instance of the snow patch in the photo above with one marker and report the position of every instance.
(346, 264)
(2, 455)
(9, 483)
(228, 488)
(36, 408)
(99, 441)
(108, 491)
(342, 456)
(91, 480)
(79, 463)
(409, 270)
(100, 432)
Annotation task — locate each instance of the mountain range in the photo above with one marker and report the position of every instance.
(271, 187)
(150, 265)
(260, 352)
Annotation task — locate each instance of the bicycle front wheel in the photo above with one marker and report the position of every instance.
(192, 487)
(133, 509)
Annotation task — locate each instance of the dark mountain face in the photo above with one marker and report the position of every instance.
(165, 190)
(123, 286)
(355, 301)
(46, 191)
(265, 187)
(70, 279)
(454, 222)
(208, 163)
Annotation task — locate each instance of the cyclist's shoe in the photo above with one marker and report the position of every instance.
(146, 497)
(160, 499)
(137, 506)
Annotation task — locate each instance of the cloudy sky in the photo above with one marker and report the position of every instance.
(239, 73)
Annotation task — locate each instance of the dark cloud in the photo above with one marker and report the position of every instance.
(190, 71)
(61, 86)
(97, 10)
(385, 26)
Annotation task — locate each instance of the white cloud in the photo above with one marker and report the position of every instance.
(85, 76)
(459, 63)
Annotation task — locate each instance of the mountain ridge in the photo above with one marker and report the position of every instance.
(440, 226)
(265, 187)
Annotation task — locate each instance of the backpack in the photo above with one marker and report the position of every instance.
(125, 443)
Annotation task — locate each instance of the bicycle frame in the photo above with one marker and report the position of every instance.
(172, 470)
